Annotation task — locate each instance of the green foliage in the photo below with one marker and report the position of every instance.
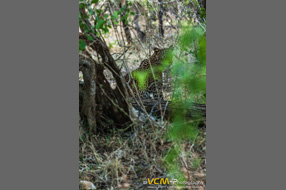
(182, 131)
(201, 10)
(171, 160)
(81, 45)
(102, 22)
(196, 163)
(202, 13)
(172, 163)
(189, 71)
(89, 38)
(141, 77)
(189, 83)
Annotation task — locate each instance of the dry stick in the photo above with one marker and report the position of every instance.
(176, 28)
(120, 147)
(153, 108)
(110, 68)
(116, 162)
(153, 75)
(112, 71)
(118, 88)
(140, 98)
(127, 83)
(141, 103)
(124, 61)
(180, 17)
(165, 108)
(186, 165)
(149, 63)
(114, 26)
(117, 36)
(144, 110)
(197, 20)
(123, 54)
(113, 101)
(153, 7)
(121, 81)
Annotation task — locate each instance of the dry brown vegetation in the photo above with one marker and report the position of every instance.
(130, 158)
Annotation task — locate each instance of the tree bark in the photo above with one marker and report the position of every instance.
(88, 108)
(111, 105)
(160, 17)
(125, 22)
(203, 3)
(140, 33)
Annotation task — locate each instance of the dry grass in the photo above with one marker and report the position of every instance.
(121, 160)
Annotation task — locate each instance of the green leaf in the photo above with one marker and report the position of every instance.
(99, 24)
(105, 29)
(81, 45)
(98, 11)
(82, 5)
(91, 11)
(114, 15)
(89, 38)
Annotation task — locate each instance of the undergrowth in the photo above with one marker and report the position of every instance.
(128, 159)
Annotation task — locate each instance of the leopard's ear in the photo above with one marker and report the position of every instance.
(156, 49)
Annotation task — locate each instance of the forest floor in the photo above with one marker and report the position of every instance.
(126, 160)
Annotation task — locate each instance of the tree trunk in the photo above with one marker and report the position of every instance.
(88, 108)
(125, 22)
(140, 33)
(203, 4)
(160, 17)
(111, 106)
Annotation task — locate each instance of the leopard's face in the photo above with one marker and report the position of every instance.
(155, 59)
